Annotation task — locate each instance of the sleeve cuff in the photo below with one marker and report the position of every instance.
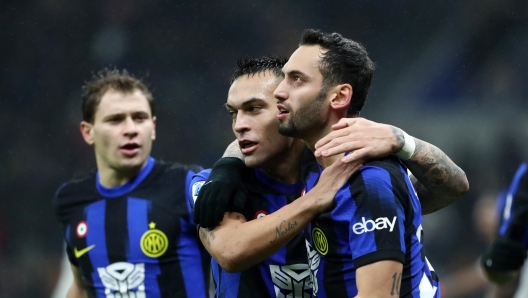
(379, 255)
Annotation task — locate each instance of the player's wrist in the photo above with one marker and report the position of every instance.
(408, 149)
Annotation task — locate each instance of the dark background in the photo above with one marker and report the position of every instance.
(449, 72)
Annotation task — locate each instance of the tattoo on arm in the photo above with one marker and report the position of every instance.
(396, 283)
(207, 236)
(400, 138)
(283, 228)
(438, 180)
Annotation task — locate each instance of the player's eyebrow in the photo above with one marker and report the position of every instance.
(294, 72)
(114, 116)
(246, 103)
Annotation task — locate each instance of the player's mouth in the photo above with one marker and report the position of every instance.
(283, 112)
(247, 146)
(130, 149)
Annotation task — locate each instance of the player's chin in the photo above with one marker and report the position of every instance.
(133, 162)
(253, 161)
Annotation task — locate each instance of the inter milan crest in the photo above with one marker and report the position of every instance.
(319, 240)
(82, 229)
(154, 243)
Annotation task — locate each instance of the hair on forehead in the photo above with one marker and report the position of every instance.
(102, 81)
(251, 66)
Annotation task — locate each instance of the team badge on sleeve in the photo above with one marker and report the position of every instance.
(260, 214)
(196, 189)
(82, 229)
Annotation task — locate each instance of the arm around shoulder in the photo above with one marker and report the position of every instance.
(438, 181)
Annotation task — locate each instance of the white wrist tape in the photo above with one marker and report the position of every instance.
(408, 147)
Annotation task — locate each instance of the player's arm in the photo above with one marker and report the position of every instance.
(237, 244)
(437, 179)
(77, 289)
(379, 279)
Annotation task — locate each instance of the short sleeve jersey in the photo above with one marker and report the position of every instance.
(138, 239)
(375, 216)
(285, 273)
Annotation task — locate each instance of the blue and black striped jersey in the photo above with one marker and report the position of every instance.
(375, 216)
(284, 274)
(137, 239)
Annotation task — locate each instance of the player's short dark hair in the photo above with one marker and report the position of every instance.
(106, 79)
(345, 62)
(251, 66)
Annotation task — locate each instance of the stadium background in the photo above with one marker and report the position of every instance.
(450, 72)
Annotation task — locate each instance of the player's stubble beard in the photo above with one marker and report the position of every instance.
(305, 119)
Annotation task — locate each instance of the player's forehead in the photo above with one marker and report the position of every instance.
(117, 102)
(305, 60)
(260, 85)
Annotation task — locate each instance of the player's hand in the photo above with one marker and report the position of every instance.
(331, 180)
(223, 191)
(364, 139)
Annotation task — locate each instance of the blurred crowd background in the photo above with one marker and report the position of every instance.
(450, 72)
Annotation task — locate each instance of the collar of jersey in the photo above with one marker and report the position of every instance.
(120, 190)
(283, 188)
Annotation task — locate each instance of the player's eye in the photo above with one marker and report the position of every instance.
(114, 120)
(232, 113)
(140, 117)
(255, 108)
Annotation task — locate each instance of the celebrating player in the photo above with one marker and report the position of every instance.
(127, 226)
(266, 222)
(369, 242)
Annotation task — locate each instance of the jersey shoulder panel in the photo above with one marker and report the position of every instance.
(195, 184)
(76, 191)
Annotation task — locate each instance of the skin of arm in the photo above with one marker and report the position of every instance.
(437, 179)
(379, 279)
(77, 289)
(233, 150)
(237, 244)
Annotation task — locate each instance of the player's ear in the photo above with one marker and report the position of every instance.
(342, 96)
(87, 132)
(154, 128)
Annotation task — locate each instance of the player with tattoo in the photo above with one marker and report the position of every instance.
(252, 240)
(368, 244)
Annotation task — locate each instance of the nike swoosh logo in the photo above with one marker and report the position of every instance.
(79, 253)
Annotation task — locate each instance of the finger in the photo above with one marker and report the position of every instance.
(332, 136)
(360, 154)
(222, 202)
(341, 146)
(344, 122)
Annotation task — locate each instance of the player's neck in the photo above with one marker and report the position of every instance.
(311, 139)
(287, 168)
(109, 177)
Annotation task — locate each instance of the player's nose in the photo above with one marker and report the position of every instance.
(130, 126)
(241, 123)
(280, 92)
